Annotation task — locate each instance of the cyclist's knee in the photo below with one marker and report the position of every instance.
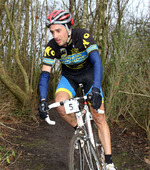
(100, 119)
(61, 96)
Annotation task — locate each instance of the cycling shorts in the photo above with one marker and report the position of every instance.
(69, 83)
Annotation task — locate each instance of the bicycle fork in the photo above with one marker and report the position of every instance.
(89, 126)
(88, 119)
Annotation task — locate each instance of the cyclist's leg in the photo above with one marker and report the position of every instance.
(65, 91)
(100, 120)
(103, 129)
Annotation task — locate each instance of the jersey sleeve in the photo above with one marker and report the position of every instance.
(49, 54)
(98, 68)
(88, 42)
(95, 59)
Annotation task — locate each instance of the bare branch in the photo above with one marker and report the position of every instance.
(4, 38)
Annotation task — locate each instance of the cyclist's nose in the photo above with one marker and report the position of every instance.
(55, 35)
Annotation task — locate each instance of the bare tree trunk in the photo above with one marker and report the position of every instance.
(24, 47)
(84, 14)
(120, 11)
(16, 90)
(71, 6)
(101, 26)
(35, 47)
(26, 80)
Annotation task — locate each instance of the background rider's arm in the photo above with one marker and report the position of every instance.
(98, 68)
(44, 81)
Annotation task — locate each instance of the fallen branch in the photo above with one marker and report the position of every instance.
(137, 94)
(136, 120)
(7, 126)
(5, 105)
(8, 141)
(137, 155)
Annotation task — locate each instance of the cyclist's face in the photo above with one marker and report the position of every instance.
(59, 33)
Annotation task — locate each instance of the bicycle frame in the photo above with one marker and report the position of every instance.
(88, 117)
(83, 117)
(79, 114)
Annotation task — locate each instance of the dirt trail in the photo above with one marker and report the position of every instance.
(46, 147)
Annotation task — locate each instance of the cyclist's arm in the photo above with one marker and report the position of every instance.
(98, 68)
(44, 81)
(92, 51)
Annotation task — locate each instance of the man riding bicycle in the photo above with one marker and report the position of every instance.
(81, 63)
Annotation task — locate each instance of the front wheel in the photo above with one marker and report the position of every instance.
(98, 146)
(82, 155)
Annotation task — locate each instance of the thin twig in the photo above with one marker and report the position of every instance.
(8, 141)
(137, 94)
(4, 157)
(123, 131)
(5, 38)
(7, 126)
(136, 121)
(5, 106)
(17, 157)
(137, 155)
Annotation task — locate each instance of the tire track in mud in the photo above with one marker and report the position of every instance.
(46, 147)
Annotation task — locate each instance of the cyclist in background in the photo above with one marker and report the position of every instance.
(81, 63)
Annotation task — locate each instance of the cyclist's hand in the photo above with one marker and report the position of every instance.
(43, 107)
(96, 98)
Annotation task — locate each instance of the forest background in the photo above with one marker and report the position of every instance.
(121, 31)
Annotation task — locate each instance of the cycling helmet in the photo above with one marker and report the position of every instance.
(60, 17)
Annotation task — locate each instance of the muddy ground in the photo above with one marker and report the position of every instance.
(45, 147)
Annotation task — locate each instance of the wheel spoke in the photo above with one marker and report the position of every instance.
(82, 155)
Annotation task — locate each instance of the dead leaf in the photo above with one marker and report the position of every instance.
(147, 161)
(133, 134)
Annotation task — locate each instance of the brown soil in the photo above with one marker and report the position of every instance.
(45, 147)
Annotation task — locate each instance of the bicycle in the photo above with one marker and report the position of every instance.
(85, 151)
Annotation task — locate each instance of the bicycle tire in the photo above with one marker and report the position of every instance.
(82, 155)
(98, 146)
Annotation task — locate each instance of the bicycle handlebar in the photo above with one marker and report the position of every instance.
(57, 104)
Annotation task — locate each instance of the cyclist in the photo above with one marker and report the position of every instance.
(81, 63)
